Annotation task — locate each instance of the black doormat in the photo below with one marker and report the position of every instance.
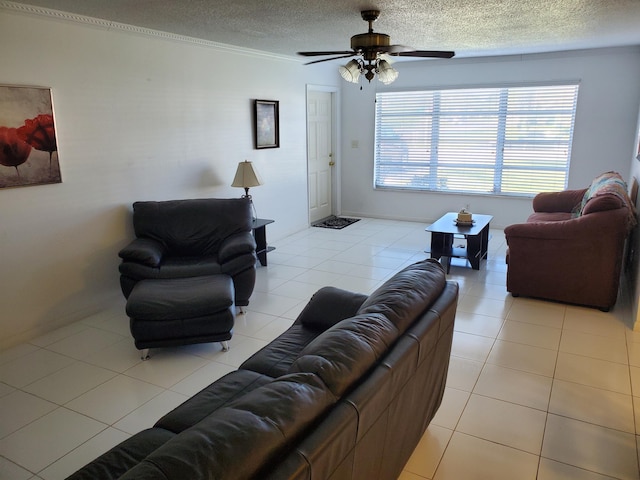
(336, 222)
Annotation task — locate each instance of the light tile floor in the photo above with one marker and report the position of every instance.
(535, 389)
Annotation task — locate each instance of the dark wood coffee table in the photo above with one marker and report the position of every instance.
(445, 229)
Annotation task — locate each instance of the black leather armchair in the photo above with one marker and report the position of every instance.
(191, 238)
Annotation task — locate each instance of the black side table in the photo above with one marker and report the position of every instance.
(260, 234)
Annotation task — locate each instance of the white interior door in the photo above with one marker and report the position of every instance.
(319, 156)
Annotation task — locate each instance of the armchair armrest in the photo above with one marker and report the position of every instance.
(328, 306)
(144, 250)
(564, 201)
(236, 245)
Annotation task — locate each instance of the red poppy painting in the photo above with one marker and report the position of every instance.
(28, 145)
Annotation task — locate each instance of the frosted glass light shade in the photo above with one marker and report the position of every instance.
(351, 71)
(386, 73)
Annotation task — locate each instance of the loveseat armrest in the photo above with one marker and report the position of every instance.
(564, 201)
(236, 245)
(144, 250)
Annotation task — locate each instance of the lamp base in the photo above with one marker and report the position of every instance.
(253, 207)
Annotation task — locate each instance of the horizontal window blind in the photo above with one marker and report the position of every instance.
(508, 141)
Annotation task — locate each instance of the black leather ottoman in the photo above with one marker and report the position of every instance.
(181, 311)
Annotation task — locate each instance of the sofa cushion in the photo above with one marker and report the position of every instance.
(276, 358)
(175, 267)
(124, 456)
(342, 354)
(328, 306)
(180, 298)
(407, 294)
(208, 400)
(246, 436)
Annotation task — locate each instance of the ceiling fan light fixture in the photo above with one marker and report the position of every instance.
(386, 73)
(351, 71)
(370, 48)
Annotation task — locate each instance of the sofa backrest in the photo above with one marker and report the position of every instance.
(344, 352)
(375, 427)
(244, 437)
(192, 227)
(407, 294)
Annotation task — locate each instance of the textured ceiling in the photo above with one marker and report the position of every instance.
(469, 27)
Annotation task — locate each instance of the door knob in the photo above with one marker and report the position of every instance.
(331, 164)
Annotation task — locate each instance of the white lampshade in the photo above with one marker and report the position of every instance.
(351, 71)
(386, 73)
(246, 176)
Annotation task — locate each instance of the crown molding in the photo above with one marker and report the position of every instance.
(123, 27)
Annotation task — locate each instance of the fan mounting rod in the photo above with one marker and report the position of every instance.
(370, 16)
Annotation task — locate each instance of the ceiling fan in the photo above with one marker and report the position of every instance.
(372, 47)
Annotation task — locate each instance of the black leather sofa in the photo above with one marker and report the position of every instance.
(345, 393)
(192, 238)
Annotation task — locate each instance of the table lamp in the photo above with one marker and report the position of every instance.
(247, 177)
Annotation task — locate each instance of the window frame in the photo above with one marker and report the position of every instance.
(497, 162)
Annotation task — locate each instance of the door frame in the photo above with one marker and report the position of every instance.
(336, 194)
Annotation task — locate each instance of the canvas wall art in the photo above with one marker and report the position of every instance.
(267, 123)
(28, 145)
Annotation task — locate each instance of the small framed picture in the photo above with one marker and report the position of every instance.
(267, 128)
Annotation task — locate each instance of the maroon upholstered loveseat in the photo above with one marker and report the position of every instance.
(571, 248)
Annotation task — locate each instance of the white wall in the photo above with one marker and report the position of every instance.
(138, 117)
(606, 116)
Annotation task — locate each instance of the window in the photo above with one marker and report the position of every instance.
(495, 141)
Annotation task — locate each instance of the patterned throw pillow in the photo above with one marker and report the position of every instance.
(608, 183)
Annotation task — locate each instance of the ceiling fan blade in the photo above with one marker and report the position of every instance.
(314, 54)
(332, 58)
(374, 48)
(393, 49)
(424, 53)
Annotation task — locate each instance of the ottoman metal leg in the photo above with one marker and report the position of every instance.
(225, 346)
(144, 354)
